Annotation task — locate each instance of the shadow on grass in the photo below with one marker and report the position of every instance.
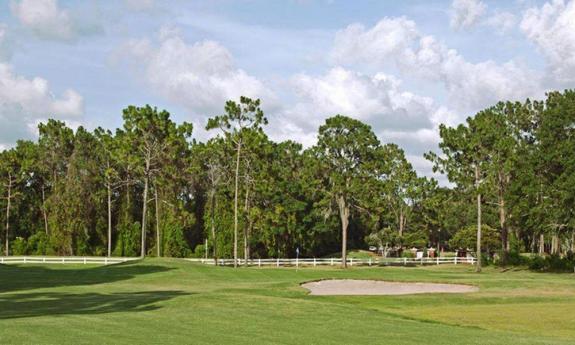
(54, 303)
(20, 278)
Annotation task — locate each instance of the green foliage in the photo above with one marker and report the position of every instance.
(466, 238)
(175, 243)
(552, 263)
(417, 239)
(128, 241)
(76, 192)
(38, 244)
(19, 246)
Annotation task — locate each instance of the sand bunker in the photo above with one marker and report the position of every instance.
(378, 287)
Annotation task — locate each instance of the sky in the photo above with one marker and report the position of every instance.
(403, 67)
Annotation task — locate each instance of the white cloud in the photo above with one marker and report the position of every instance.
(377, 100)
(470, 86)
(502, 22)
(466, 13)
(552, 28)
(23, 102)
(44, 18)
(200, 76)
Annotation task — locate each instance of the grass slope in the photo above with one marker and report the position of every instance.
(161, 301)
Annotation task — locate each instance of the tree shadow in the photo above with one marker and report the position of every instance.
(20, 278)
(54, 303)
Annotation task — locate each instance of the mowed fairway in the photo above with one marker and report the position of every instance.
(162, 301)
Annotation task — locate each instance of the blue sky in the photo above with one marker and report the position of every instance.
(404, 67)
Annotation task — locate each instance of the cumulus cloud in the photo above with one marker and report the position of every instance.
(466, 13)
(470, 86)
(378, 100)
(46, 20)
(200, 76)
(25, 102)
(502, 22)
(552, 28)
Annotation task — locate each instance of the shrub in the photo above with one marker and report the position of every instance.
(175, 244)
(467, 238)
(19, 246)
(552, 263)
(38, 244)
(128, 241)
(407, 254)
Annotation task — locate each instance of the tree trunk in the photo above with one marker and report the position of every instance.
(246, 210)
(344, 215)
(109, 220)
(158, 237)
(541, 244)
(401, 221)
(128, 205)
(44, 214)
(214, 244)
(239, 148)
(503, 225)
(572, 242)
(143, 245)
(8, 214)
(478, 267)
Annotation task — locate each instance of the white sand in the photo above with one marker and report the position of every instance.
(378, 287)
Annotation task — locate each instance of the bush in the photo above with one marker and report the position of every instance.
(514, 258)
(553, 263)
(467, 238)
(38, 244)
(19, 246)
(175, 244)
(128, 241)
(199, 251)
(407, 254)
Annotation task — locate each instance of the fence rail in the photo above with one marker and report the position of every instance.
(94, 260)
(337, 261)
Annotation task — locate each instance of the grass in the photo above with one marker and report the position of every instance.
(161, 301)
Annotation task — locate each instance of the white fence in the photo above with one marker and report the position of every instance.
(94, 260)
(337, 261)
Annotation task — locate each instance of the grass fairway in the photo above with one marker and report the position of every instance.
(162, 301)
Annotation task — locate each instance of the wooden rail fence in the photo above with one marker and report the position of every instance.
(337, 261)
(94, 260)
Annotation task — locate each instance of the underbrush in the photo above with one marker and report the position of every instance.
(546, 263)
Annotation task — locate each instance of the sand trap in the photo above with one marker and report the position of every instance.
(378, 287)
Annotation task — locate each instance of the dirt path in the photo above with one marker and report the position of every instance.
(377, 287)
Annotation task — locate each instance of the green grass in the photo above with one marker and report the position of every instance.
(171, 301)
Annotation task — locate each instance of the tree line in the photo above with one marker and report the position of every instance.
(149, 188)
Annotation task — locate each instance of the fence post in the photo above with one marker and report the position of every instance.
(370, 261)
(43, 259)
(351, 261)
(404, 261)
(24, 259)
(314, 263)
(455, 259)
(84, 260)
(278, 262)
(62, 261)
(2, 259)
(106, 260)
(260, 262)
(438, 260)
(332, 261)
